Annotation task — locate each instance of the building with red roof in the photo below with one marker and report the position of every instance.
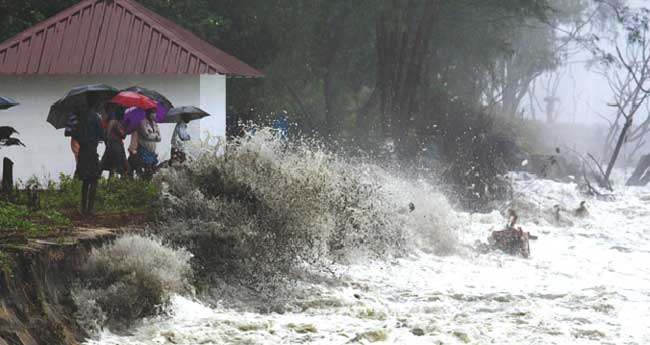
(115, 42)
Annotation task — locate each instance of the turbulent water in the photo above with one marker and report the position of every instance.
(587, 282)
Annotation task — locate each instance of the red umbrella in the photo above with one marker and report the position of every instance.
(131, 99)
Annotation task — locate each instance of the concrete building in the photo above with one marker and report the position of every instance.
(116, 42)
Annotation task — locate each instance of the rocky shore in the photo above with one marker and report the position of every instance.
(37, 276)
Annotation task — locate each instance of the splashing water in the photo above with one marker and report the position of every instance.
(132, 278)
(587, 281)
(265, 207)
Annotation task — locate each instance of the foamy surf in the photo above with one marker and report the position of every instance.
(587, 281)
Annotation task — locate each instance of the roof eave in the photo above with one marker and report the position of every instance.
(211, 59)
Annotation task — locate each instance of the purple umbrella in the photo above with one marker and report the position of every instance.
(133, 117)
(161, 112)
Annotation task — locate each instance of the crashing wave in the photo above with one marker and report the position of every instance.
(130, 279)
(266, 205)
(253, 218)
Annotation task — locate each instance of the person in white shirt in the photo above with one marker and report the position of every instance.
(148, 138)
(179, 137)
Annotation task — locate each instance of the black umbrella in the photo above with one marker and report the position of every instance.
(153, 94)
(7, 102)
(58, 116)
(85, 97)
(177, 114)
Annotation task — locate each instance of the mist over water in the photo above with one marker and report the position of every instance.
(292, 244)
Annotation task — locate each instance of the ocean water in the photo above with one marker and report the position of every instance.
(586, 282)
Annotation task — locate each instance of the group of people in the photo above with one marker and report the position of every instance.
(87, 129)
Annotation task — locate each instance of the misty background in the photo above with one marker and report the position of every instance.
(583, 91)
(471, 87)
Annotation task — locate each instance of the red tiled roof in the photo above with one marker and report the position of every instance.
(114, 37)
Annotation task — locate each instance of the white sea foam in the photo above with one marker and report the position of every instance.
(586, 283)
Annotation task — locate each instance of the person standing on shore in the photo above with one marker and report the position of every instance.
(88, 134)
(179, 137)
(114, 159)
(148, 138)
(70, 128)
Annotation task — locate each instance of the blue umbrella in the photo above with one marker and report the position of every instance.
(7, 102)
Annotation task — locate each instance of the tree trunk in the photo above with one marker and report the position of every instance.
(7, 176)
(363, 127)
(331, 117)
(335, 31)
(403, 36)
(617, 149)
(641, 176)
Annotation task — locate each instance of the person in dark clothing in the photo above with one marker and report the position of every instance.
(114, 159)
(89, 133)
(70, 129)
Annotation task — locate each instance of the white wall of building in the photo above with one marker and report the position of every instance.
(48, 152)
(213, 101)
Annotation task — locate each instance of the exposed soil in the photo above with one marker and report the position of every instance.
(99, 221)
(37, 273)
(35, 283)
(111, 221)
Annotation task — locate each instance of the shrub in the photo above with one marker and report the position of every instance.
(33, 223)
(41, 211)
(113, 196)
(14, 217)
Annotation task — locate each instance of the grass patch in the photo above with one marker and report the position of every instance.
(113, 196)
(34, 210)
(31, 223)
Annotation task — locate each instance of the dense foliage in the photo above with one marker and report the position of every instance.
(329, 61)
(368, 72)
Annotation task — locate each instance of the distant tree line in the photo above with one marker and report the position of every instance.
(367, 66)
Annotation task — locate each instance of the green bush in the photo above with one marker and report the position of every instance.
(113, 196)
(33, 223)
(14, 217)
(43, 211)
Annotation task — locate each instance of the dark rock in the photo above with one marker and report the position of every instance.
(513, 241)
(418, 332)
